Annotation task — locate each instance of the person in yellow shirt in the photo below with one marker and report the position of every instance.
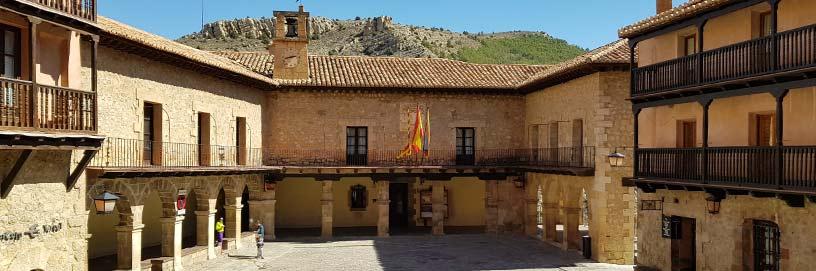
(219, 231)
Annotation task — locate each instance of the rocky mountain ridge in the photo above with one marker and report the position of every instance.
(377, 36)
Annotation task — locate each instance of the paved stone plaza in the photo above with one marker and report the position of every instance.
(417, 252)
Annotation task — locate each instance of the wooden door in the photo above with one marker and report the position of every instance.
(683, 244)
(764, 130)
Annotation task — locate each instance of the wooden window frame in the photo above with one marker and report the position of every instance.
(764, 24)
(465, 153)
(152, 149)
(241, 141)
(17, 51)
(357, 154)
(685, 48)
(204, 138)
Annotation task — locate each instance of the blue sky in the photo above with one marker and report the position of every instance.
(587, 23)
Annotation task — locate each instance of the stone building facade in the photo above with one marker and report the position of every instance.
(724, 156)
(310, 144)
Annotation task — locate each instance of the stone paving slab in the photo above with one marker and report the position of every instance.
(449, 253)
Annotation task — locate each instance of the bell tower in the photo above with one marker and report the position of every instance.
(289, 44)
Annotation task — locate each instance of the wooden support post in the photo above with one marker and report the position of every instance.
(700, 44)
(706, 103)
(94, 78)
(635, 159)
(774, 27)
(32, 66)
(780, 158)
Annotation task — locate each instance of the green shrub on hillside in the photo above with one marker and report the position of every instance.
(523, 49)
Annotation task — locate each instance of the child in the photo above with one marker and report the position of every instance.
(259, 240)
(219, 231)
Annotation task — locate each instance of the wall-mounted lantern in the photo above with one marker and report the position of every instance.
(713, 204)
(181, 202)
(105, 202)
(616, 158)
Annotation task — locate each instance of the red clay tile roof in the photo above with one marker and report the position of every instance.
(157, 43)
(393, 72)
(615, 53)
(684, 11)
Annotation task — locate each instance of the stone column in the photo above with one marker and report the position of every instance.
(327, 209)
(491, 206)
(383, 202)
(205, 231)
(129, 247)
(550, 221)
(233, 222)
(439, 208)
(572, 237)
(171, 239)
(264, 210)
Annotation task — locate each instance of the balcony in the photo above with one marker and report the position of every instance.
(784, 53)
(750, 168)
(83, 9)
(578, 157)
(46, 109)
(124, 158)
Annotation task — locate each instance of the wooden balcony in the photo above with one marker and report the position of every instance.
(775, 169)
(783, 56)
(46, 109)
(82, 9)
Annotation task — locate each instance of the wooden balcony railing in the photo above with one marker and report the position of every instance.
(753, 167)
(578, 157)
(85, 9)
(46, 109)
(785, 51)
(134, 153)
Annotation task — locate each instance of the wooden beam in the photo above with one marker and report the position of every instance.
(8, 182)
(74, 176)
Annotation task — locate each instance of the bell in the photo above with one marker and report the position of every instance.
(291, 27)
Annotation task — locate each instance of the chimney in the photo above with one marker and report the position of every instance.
(663, 5)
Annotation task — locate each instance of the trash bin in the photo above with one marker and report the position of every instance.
(586, 246)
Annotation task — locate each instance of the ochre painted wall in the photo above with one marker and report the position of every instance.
(343, 215)
(298, 203)
(735, 27)
(730, 120)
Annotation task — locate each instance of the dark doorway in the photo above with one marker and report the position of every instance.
(683, 245)
(398, 216)
(245, 210)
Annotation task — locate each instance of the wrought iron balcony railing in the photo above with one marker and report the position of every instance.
(786, 51)
(46, 108)
(752, 167)
(575, 157)
(84, 9)
(127, 153)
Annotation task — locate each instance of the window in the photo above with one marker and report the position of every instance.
(766, 246)
(687, 134)
(240, 141)
(356, 146)
(358, 197)
(148, 134)
(11, 51)
(765, 24)
(204, 156)
(465, 146)
(764, 130)
(689, 45)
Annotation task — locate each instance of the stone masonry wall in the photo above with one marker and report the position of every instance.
(39, 201)
(127, 81)
(722, 239)
(314, 120)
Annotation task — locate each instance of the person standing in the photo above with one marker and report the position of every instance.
(259, 240)
(219, 231)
